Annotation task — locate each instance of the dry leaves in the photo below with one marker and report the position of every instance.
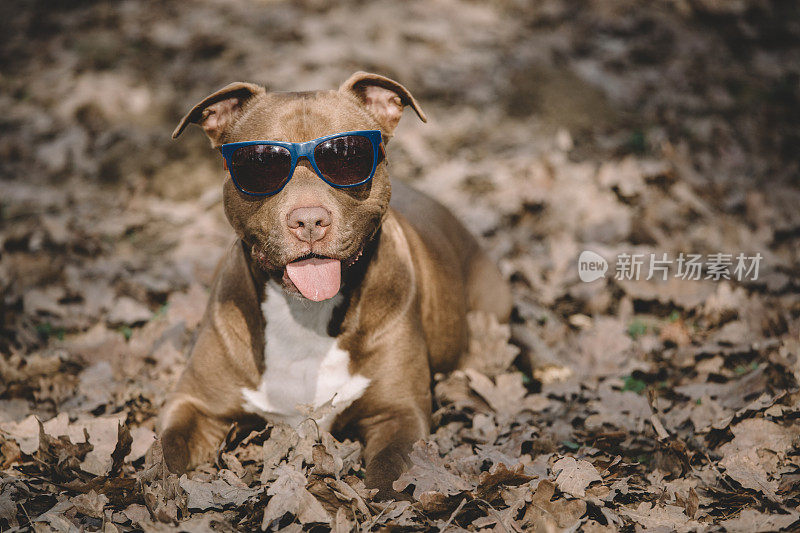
(545, 513)
(752, 521)
(658, 517)
(429, 473)
(289, 495)
(574, 476)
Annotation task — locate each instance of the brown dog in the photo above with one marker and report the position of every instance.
(395, 282)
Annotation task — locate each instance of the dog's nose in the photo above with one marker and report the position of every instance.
(309, 224)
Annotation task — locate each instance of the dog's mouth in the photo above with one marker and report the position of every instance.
(315, 276)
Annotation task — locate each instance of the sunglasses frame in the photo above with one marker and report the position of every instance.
(299, 150)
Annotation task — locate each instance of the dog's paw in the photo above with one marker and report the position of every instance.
(382, 471)
(176, 451)
(391, 494)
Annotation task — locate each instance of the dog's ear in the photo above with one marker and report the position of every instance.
(382, 97)
(217, 111)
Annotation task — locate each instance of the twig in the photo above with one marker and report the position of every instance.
(26, 514)
(454, 513)
(494, 514)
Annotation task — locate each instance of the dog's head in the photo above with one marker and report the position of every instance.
(303, 235)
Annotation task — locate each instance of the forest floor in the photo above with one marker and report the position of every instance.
(623, 128)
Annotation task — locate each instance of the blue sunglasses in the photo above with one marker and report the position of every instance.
(263, 168)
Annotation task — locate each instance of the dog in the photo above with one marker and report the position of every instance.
(341, 288)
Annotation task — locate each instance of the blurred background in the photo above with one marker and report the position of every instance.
(556, 126)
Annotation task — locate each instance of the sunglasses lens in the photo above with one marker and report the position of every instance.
(345, 160)
(261, 168)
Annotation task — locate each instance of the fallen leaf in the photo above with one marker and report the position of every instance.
(137, 514)
(188, 306)
(91, 504)
(574, 476)
(289, 495)
(44, 301)
(121, 450)
(142, 440)
(96, 388)
(675, 332)
(216, 494)
(561, 513)
(605, 348)
(103, 437)
(752, 521)
(499, 475)
(282, 439)
(127, 311)
(428, 473)
(659, 517)
(60, 452)
(325, 464)
(55, 517)
(724, 304)
(342, 524)
(506, 395)
(489, 351)
(25, 433)
(745, 467)
(8, 509)
(748, 457)
(762, 434)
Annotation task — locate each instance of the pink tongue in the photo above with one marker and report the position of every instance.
(316, 279)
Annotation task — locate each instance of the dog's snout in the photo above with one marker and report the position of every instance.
(309, 224)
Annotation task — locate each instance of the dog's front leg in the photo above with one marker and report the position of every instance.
(190, 435)
(395, 411)
(389, 437)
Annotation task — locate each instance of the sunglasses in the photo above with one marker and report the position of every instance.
(263, 168)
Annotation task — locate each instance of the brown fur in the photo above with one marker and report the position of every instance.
(406, 298)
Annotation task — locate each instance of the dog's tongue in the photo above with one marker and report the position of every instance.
(316, 279)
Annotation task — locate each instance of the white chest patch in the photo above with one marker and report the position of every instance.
(304, 366)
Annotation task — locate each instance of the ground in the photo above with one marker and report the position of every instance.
(556, 127)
